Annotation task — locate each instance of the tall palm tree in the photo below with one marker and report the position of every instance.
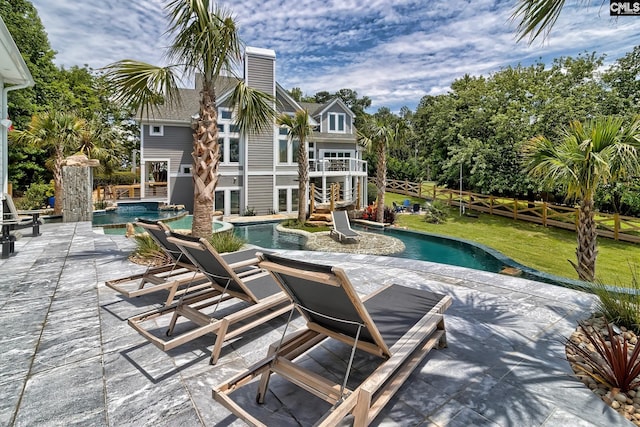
(204, 42)
(597, 152)
(377, 135)
(57, 132)
(299, 128)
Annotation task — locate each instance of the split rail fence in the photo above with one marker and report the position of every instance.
(614, 226)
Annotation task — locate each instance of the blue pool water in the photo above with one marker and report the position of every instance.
(418, 246)
(128, 212)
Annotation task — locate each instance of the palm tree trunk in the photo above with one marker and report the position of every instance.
(206, 157)
(381, 180)
(58, 187)
(587, 250)
(303, 176)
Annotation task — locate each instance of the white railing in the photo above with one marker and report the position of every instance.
(338, 165)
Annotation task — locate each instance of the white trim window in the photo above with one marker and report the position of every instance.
(287, 150)
(287, 199)
(337, 123)
(228, 139)
(156, 130)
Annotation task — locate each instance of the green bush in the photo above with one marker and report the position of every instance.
(149, 250)
(116, 178)
(622, 305)
(372, 193)
(226, 241)
(36, 196)
(435, 212)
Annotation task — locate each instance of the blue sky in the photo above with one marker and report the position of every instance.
(393, 51)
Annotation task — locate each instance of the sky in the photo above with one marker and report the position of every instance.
(393, 51)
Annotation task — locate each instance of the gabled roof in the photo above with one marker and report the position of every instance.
(13, 69)
(331, 103)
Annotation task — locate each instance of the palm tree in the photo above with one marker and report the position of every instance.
(377, 135)
(300, 129)
(204, 42)
(539, 16)
(59, 133)
(597, 152)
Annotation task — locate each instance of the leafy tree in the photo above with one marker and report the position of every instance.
(58, 133)
(299, 128)
(600, 151)
(205, 42)
(624, 78)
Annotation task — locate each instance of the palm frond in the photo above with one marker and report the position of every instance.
(142, 86)
(255, 109)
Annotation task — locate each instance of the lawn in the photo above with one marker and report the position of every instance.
(542, 248)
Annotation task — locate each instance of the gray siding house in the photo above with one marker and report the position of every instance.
(256, 172)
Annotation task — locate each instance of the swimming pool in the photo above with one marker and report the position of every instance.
(129, 212)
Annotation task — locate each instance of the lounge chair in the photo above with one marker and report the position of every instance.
(342, 228)
(254, 286)
(12, 220)
(397, 323)
(416, 208)
(177, 276)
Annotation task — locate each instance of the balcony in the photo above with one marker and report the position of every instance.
(337, 167)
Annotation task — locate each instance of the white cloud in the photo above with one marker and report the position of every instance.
(394, 52)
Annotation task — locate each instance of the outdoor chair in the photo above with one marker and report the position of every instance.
(416, 208)
(259, 299)
(397, 208)
(342, 228)
(13, 220)
(177, 276)
(398, 324)
(406, 204)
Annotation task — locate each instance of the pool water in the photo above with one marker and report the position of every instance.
(117, 218)
(418, 246)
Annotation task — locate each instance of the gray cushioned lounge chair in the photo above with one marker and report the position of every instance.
(258, 298)
(342, 228)
(179, 275)
(397, 323)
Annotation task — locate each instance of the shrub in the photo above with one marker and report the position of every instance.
(372, 193)
(622, 304)
(436, 212)
(249, 211)
(115, 178)
(612, 363)
(226, 241)
(36, 196)
(148, 249)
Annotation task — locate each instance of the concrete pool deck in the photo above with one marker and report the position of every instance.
(68, 357)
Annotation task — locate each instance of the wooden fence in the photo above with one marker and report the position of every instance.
(614, 226)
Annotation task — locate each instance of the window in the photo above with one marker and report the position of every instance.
(287, 151)
(234, 129)
(282, 150)
(220, 128)
(219, 201)
(234, 150)
(337, 122)
(295, 145)
(225, 114)
(221, 148)
(185, 169)
(312, 151)
(156, 130)
(235, 202)
(282, 200)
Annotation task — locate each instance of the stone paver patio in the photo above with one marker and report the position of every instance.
(68, 357)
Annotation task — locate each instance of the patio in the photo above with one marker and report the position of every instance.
(68, 357)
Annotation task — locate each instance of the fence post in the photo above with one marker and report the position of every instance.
(435, 191)
(358, 195)
(616, 225)
(406, 187)
(544, 214)
(490, 205)
(312, 196)
(420, 189)
(515, 208)
(332, 198)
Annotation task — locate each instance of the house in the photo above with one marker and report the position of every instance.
(14, 75)
(257, 172)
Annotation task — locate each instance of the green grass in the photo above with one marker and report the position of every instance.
(544, 249)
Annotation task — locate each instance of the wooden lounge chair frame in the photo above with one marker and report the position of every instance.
(13, 219)
(176, 277)
(253, 286)
(400, 359)
(342, 227)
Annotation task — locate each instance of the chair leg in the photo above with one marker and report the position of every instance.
(442, 343)
(172, 324)
(217, 346)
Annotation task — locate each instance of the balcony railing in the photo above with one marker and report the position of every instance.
(338, 165)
